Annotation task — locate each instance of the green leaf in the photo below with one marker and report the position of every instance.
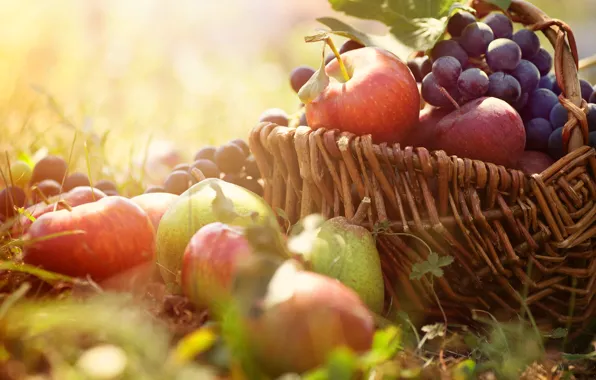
(342, 364)
(317, 82)
(22, 156)
(464, 370)
(194, 344)
(386, 344)
(340, 28)
(432, 265)
(445, 261)
(558, 333)
(44, 275)
(417, 24)
(503, 4)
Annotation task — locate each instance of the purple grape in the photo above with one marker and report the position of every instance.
(500, 25)
(420, 66)
(592, 139)
(593, 96)
(555, 144)
(556, 89)
(527, 75)
(299, 76)
(528, 42)
(547, 81)
(504, 86)
(586, 89)
(446, 71)
(543, 61)
(475, 38)
(449, 48)
(458, 22)
(541, 102)
(350, 45)
(432, 94)
(473, 83)
(503, 54)
(591, 116)
(537, 133)
(521, 102)
(558, 116)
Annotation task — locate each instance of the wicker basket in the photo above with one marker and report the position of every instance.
(511, 235)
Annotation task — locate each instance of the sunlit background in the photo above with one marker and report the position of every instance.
(192, 72)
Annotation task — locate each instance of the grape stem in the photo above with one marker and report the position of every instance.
(342, 66)
(448, 95)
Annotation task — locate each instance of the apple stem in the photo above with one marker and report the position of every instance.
(342, 66)
(448, 95)
(362, 211)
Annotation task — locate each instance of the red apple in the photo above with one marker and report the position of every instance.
(155, 205)
(380, 98)
(534, 162)
(115, 235)
(209, 262)
(75, 197)
(486, 129)
(299, 332)
(422, 134)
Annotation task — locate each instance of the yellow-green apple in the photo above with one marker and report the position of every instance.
(99, 239)
(206, 202)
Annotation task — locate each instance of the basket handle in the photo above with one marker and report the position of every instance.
(565, 63)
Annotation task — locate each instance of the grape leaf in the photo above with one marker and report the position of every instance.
(417, 24)
(503, 4)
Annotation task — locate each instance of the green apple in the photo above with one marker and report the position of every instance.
(211, 200)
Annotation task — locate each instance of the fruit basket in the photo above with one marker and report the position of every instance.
(516, 239)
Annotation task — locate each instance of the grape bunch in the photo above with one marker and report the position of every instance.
(25, 186)
(486, 58)
(231, 162)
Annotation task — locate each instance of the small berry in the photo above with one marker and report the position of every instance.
(49, 167)
(242, 144)
(74, 180)
(206, 153)
(105, 185)
(208, 168)
(177, 182)
(229, 158)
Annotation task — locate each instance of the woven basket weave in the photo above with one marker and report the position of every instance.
(511, 235)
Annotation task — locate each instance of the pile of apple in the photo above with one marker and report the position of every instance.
(215, 241)
(482, 93)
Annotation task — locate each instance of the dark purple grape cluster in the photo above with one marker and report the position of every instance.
(232, 162)
(486, 58)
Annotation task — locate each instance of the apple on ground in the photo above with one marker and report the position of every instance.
(75, 197)
(210, 261)
(194, 209)
(99, 239)
(364, 91)
(534, 162)
(304, 317)
(155, 205)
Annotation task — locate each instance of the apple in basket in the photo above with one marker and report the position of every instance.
(362, 91)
